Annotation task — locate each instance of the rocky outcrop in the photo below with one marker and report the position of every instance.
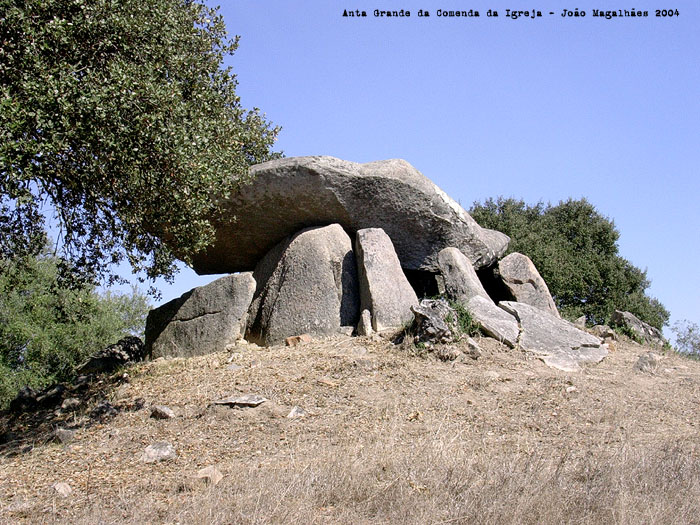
(459, 277)
(202, 321)
(524, 282)
(306, 284)
(435, 322)
(384, 289)
(290, 194)
(642, 331)
(127, 350)
(556, 341)
(494, 321)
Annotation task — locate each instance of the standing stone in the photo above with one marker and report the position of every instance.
(364, 325)
(524, 282)
(459, 277)
(203, 320)
(306, 285)
(384, 289)
(289, 194)
(554, 340)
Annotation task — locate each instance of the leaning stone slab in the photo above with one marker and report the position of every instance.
(384, 289)
(524, 282)
(287, 195)
(459, 276)
(645, 332)
(494, 321)
(306, 285)
(556, 341)
(203, 320)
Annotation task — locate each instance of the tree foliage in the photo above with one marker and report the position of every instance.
(575, 250)
(119, 118)
(46, 328)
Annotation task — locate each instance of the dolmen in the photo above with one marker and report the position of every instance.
(321, 246)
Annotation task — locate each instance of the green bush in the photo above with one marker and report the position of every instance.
(575, 250)
(48, 327)
(687, 338)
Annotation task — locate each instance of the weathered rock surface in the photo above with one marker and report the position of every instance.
(203, 320)
(648, 362)
(384, 289)
(162, 412)
(290, 194)
(434, 322)
(210, 475)
(556, 341)
(645, 332)
(306, 285)
(494, 321)
(242, 401)
(524, 282)
(161, 451)
(459, 277)
(364, 325)
(127, 350)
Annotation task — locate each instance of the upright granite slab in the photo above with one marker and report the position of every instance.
(290, 194)
(524, 282)
(306, 285)
(459, 277)
(384, 289)
(556, 341)
(203, 320)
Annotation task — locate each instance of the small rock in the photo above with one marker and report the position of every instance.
(296, 412)
(51, 396)
(473, 349)
(364, 326)
(248, 400)
(162, 412)
(63, 435)
(447, 353)
(62, 488)
(210, 475)
(70, 403)
(580, 323)
(298, 340)
(604, 332)
(233, 367)
(648, 362)
(571, 389)
(161, 451)
(103, 410)
(24, 401)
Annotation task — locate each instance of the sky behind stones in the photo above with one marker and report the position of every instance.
(538, 109)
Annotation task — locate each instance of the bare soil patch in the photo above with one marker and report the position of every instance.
(388, 436)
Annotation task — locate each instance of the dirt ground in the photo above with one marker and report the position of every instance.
(389, 435)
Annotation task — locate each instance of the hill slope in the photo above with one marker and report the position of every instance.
(388, 437)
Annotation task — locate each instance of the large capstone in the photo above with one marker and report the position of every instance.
(307, 284)
(290, 194)
(203, 320)
(556, 341)
(524, 282)
(384, 289)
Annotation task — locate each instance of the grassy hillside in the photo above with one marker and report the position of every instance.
(389, 436)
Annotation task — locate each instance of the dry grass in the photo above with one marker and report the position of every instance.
(389, 438)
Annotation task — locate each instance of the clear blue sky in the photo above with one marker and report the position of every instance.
(538, 109)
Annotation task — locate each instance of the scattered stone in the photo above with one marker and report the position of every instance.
(554, 340)
(247, 400)
(162, 412)
(233, 367)
(447, 353)
(161, 451)
(63, 435)
(127, 350)
(494, 321)
(646, 333)
(648, 362)
(571, 389)
(298, 340)
(296, 412)
(204, 320)
(52, 396)
(307, 284)
(459, 277)
(580, 323)
(103, 410)
(604, 332)
(210, 475)
(384, 289)
(24, 401)
(364, 325)
(70, 403)
(434, 322)
(289, 194)
(62, 488)
(525, 284)
(473, 349)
